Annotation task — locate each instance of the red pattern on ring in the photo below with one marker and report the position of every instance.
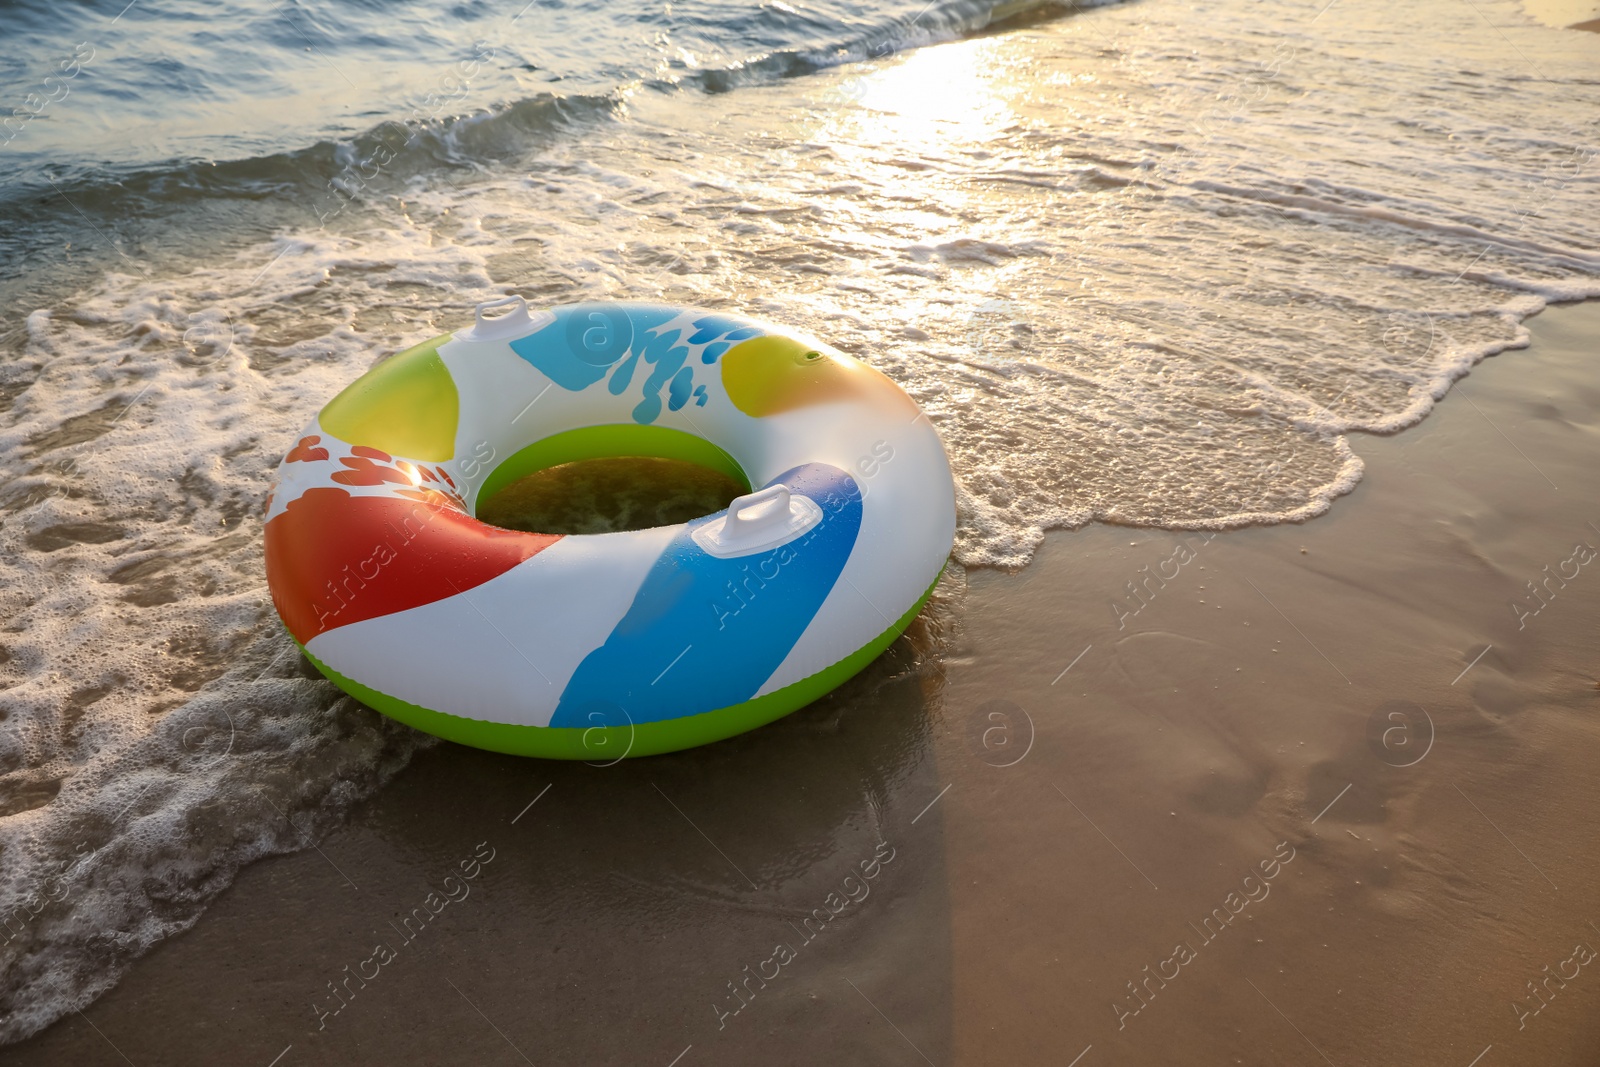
(334, 559)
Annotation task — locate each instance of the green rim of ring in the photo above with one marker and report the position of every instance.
(611, 441)
(609, 743)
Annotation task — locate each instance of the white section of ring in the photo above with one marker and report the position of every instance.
(504, 650)
(908, 519)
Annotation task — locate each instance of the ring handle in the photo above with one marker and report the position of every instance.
(776, 512)
(758, 522)
(513, 323)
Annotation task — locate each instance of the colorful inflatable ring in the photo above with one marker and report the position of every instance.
(599, 646)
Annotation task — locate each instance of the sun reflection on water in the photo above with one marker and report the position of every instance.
(932, 100)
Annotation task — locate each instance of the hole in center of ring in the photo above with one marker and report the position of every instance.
(594, 496)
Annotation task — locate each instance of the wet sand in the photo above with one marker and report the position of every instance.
(1359, 688)
(1312, 795)
(1572, 14)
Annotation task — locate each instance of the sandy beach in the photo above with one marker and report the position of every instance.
(1253, 720)
(1316, 793)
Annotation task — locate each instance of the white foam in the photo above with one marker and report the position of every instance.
(145, 670)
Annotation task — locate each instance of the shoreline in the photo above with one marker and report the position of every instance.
(1025, 794)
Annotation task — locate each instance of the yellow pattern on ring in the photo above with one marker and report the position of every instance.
(766, 375)
(771, 374)
(406, 406)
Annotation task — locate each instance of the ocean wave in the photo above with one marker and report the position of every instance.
(449, 124)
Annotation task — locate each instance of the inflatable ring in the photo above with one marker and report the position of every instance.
(599, 646)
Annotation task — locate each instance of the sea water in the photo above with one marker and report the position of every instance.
(1149, 263)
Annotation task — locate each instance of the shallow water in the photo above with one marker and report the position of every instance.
(1144, 264)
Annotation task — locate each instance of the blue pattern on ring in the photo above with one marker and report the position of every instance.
(704, 632)
(586, 341)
